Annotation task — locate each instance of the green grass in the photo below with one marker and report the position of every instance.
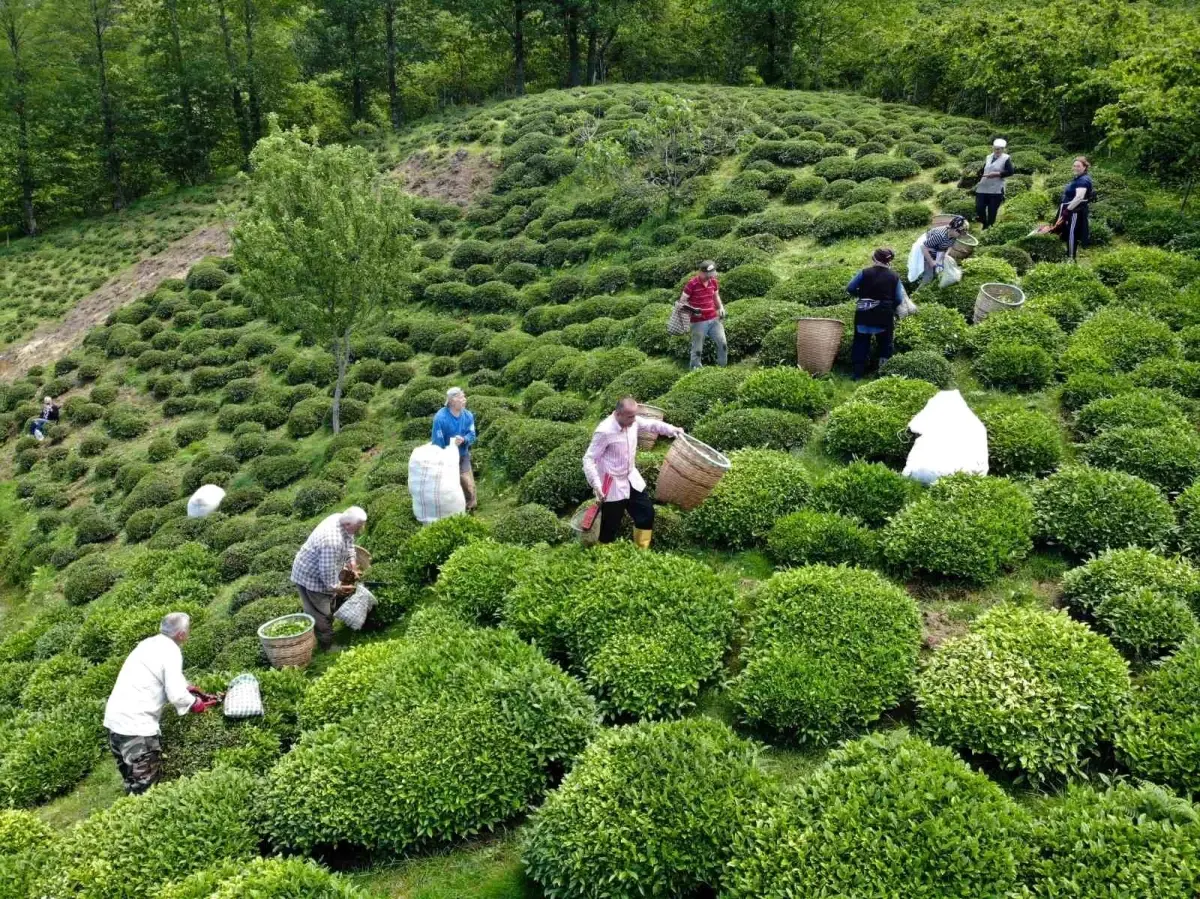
(97, 791)
(485, 869)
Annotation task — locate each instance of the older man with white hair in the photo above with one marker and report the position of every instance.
(317, 568)
(150, 680)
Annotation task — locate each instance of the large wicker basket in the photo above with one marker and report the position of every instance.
(689, 472)
(993, 297)
(942, 219)
(289, 652)
(817, 343)
(963, 246)
(647, 439)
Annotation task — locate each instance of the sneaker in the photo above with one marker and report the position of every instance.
(38, 435)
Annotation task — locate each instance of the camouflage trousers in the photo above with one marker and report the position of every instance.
(139, 760)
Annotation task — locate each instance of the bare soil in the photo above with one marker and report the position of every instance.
(940, 627)
(457, 178)
(52, 340)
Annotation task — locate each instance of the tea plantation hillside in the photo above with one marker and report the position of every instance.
(824, 680)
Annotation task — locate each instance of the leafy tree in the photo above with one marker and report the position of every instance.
(325, 244)
(509, 17)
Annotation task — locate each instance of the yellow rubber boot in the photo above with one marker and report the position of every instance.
(641, 538)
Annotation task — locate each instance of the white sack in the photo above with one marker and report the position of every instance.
(353, 612)
(950, 439)
(951, 273)
(243, 698)
(205, 501)
(916, 261)
(434, 484)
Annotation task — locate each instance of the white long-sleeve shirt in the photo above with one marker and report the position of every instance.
(613, 451)
(151, 678)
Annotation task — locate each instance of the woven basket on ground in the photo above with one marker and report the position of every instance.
(689, 472)
(646, 439)
(817, 343)
(963, 246)
(289, 652)
(993, 297)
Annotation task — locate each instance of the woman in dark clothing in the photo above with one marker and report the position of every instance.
(879, 294)
(1073, 213)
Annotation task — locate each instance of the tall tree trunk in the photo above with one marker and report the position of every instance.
(593, 40)
(20, 76)
(358, 104)
(394, 108)
(194, 166)
(256, 125)
(771, 75)
(112, 154)
(341, 352)
(235, 87)
(570, 14)
(518, 36)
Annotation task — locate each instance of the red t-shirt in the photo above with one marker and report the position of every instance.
(702, 297)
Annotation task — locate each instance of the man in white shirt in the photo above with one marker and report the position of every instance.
(609, 467)
(151, 678)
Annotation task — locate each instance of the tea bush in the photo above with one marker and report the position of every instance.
(760, 487)
(47, 752)
(763, 428)
(1167, 457)
(1021, 441)
(873, 423)
(1045, 722)
(789, 389)
(1115, 339)
(829, 650)
(867, 491)
(920, 365)
(529, 525)
(476, 577)
(1088, 510)
(1125, 841)
(932, 327)
(24, 842)
(809, 537)
(1131, 409)
(651, 808)
(1157, 739)
(263, 878)
(427, 549)
(1142, 601)
(838, 835)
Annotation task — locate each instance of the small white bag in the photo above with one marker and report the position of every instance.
(353, 612)
(243, 699)
(205, 501)
(433, 481)
(916, 261)
(951, 273)
(906, 308)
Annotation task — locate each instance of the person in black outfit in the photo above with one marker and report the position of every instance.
(879, 293)
(48, 416)
(1073, 213)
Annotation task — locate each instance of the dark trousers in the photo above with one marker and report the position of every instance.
(1076, 231)
(860, 349)
(986, 207)
(641, 510)
(139, 759)
(321, 607)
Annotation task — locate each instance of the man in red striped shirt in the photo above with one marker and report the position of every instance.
(703, 295)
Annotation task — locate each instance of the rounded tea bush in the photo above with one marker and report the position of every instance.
(650, 809)
(529, 525)
(873, 423)
(809, 537)
(1021, 441)
(426, 550)
(789, 389)
(867, 491)
(830, 649)
(760, 487)
(1033, 689)
(853, 829)
(970, 527)
(1126, 841)
(920, 365)
(1131, 408)
(1159, 736)
(1014, 366)
(476, 577)
(932, 327)
(1143, 602)
(264, 878)
(1168, 457)
(1116, 339)
(1087, 510)
(762, 428)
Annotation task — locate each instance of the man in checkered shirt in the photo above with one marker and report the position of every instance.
(317, 568)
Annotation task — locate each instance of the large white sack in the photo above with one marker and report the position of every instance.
(950, 439)
(434, 484)
(916, 261)
(205, 501)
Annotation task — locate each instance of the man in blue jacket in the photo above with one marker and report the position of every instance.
(453, 423)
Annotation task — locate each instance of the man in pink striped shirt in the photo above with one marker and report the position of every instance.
(609, 464)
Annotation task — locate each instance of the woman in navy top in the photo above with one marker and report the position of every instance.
(1073, 212)
(879, 293)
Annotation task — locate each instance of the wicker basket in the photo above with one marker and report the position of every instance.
(963, 246)
(689, 472)
(817, 343)
(942, 219)
(993, 297)
(289, 652)
(647, 439)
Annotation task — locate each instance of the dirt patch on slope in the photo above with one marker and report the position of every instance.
(52, 340)
(940, 627)
(459, 177)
